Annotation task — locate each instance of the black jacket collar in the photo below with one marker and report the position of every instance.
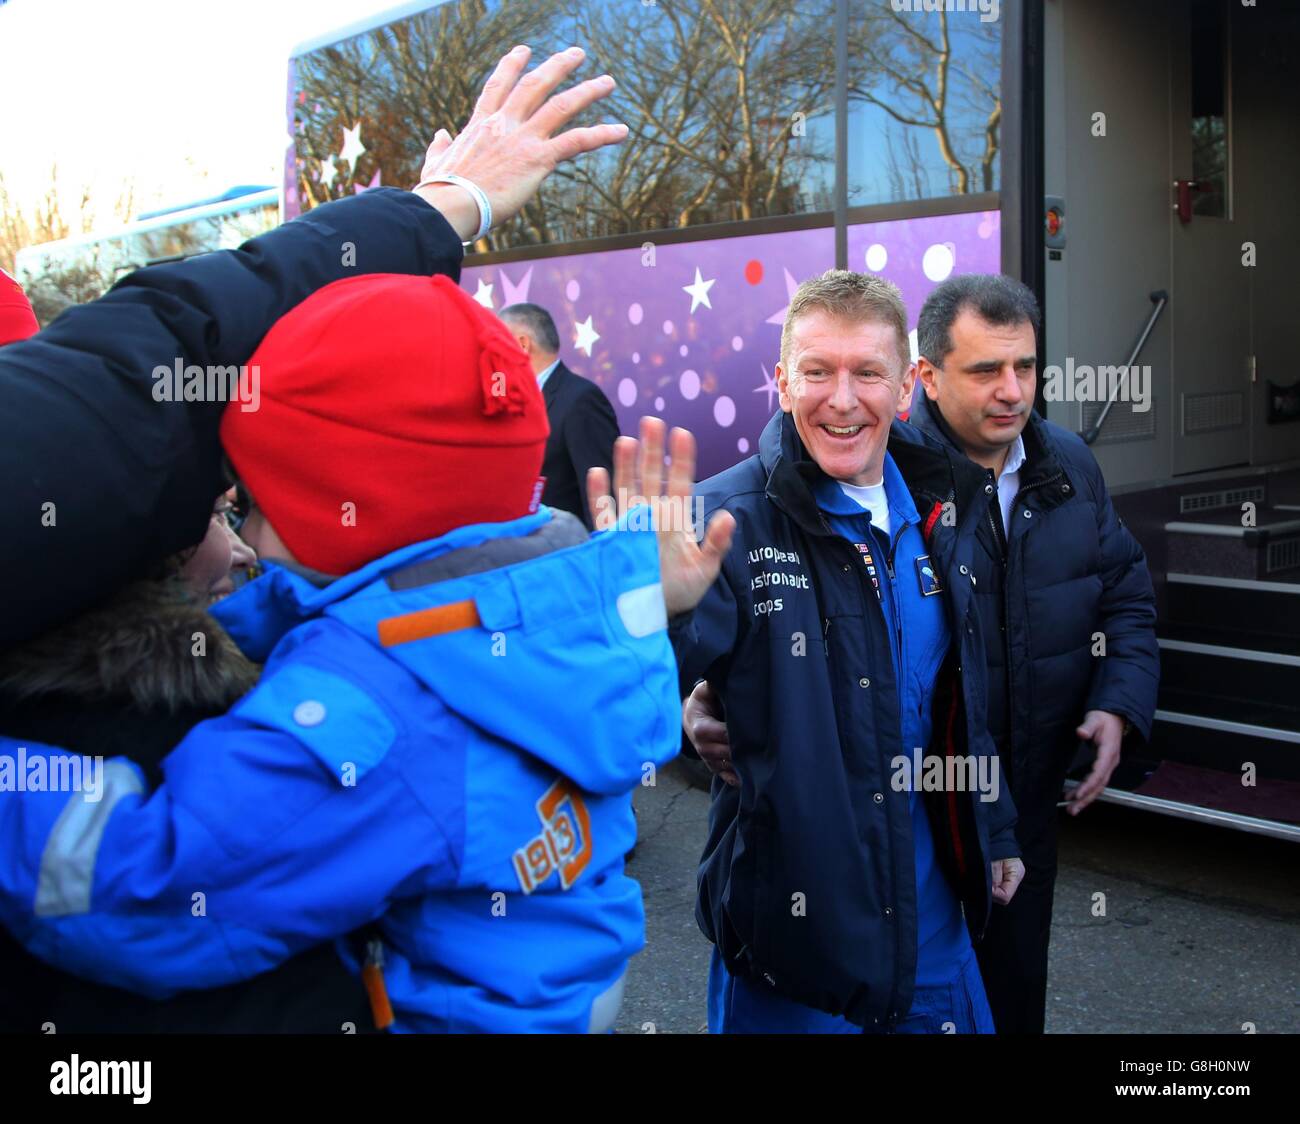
(1041, 462)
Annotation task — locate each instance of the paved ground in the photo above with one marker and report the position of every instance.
(1201, 930)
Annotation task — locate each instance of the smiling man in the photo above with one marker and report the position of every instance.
(841, 642)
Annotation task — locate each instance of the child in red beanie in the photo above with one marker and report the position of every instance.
(460, 693)
(390, 410)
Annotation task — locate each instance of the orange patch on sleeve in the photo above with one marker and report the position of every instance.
(421, 625)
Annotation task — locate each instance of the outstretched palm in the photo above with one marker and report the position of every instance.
(687, 567)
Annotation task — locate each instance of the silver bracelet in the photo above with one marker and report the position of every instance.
(484, 207)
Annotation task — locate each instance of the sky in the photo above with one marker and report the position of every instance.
(183, 97)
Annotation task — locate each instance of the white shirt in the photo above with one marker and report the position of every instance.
(872, 498)
(1009, 481)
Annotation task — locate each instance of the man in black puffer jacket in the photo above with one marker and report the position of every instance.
(1065, 600)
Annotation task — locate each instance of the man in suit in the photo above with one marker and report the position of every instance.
(583, 425)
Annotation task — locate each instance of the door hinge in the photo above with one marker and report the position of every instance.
(1250, 366)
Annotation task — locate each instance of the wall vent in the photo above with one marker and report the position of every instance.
(1123, 423)
(1205, 413)
(1214, 501)
(1283, 554)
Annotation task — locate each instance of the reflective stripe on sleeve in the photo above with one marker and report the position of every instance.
(68, 862)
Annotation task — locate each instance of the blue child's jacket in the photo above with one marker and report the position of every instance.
(443, 743)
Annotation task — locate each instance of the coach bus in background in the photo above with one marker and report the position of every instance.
(1130, 163)
(92, 263)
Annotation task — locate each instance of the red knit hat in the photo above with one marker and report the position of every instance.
(17, 320)
(400, 396)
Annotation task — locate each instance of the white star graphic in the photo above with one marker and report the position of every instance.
(483, 294)
(352, 146)
(587, 335)
(327, 173)
(790, 286)
(699, 290)
(769, 386)
(513, 294)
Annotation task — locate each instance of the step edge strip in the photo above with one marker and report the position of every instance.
(1232, 583)
(1284, 658)
(1251, 824)
(1178, 718)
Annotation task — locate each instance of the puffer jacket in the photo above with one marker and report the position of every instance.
(1066, 608)
(442, 745)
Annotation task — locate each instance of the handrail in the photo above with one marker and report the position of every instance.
(1159, 298)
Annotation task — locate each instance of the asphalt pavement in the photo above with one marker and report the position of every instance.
(1197, 929)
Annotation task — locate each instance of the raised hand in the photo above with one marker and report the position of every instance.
(686, 567)
(509, 146)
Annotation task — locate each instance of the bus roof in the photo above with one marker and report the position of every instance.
(233, 193)
(263, 197)
(367, 23)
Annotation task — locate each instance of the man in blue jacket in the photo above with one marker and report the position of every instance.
(846, 875)
(1065, 599)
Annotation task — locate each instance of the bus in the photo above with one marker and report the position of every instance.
(221, 222)
(1130, 163)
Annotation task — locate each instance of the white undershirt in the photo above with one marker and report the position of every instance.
(872, 498)
(1009, 481)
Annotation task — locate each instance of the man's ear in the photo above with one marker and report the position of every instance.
(906, 387)
(928, 373)
(783, 389)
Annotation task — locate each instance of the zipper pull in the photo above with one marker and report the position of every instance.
(372, 978)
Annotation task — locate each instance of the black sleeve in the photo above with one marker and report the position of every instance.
(100, 479)
(589, 434)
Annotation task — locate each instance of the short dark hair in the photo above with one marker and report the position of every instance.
(993, 297)
(537, 322)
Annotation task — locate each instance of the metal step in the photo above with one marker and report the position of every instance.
(1183, 811)
(1264, 608)
(1227, 743)
(1229, 672)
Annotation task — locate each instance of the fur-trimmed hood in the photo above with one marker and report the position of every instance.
(152, 644)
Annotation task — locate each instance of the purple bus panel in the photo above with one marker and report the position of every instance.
(691, 331)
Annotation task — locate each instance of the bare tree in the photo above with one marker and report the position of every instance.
(717, 95)
(397, 82)
(910, 66)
